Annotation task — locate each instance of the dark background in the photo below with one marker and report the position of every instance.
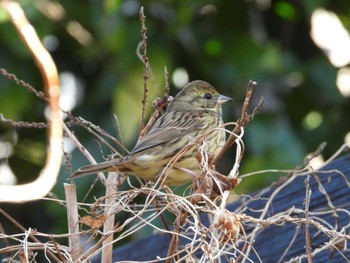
(224, 42)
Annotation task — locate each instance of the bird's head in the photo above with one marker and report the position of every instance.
(198, 95)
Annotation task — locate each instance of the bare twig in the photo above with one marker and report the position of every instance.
(92, 128)
(23, 124)
(314, 154)
(145, 63)
(119, 133)
(241, 122)
(159, 106)
(307, 218)
(19, 226)
(22, 83)
(174, 244)
(83, 150)
(325, 194)
(166, 77)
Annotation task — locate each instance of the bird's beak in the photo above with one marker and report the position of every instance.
(223, 99)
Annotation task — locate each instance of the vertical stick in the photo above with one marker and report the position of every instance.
(307, 230)
(72, 217)
(107, 250)
(145, 63)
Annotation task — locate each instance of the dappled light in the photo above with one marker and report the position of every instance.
(331, 36)
(120, 64)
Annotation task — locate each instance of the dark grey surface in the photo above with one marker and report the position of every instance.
(273, 241)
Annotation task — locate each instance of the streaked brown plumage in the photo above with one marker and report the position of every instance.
(194, 112)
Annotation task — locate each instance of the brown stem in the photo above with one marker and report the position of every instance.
(20, 227)
(145, 61)
(241, 122)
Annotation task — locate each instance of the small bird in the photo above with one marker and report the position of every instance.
(194, 112)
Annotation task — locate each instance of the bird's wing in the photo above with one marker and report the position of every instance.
(176, 129)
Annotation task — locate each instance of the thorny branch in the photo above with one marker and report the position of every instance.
(159, 106)
(146, 65)
(22, 83)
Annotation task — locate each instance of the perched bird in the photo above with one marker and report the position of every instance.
(194, 112)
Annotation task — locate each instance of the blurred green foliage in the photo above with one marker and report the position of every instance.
(224, 42)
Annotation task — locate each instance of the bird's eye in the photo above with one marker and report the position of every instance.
(207, 96)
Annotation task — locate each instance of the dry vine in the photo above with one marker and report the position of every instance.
(224, 239)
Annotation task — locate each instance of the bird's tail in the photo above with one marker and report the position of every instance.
(93, 169)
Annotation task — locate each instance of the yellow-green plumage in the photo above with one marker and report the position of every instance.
(194, 112)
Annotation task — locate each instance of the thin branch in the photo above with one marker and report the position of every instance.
(241, 122)
(24, 84)
(23, 124)
(307, 218)
(20, 227)
(82, 150)
(145, 61)
(160, 106)
(166, 77)
(91, 127)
